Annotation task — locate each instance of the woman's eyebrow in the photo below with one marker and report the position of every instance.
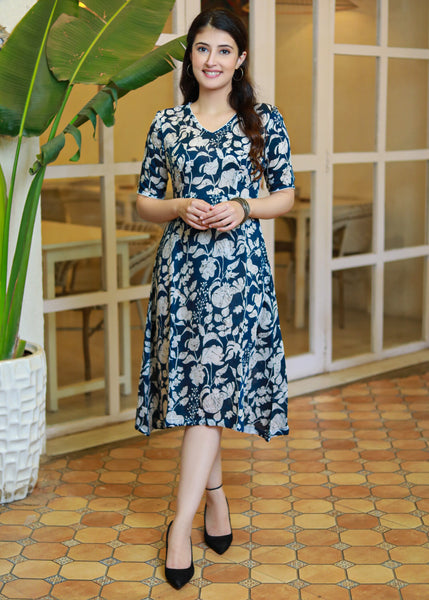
(208, 45)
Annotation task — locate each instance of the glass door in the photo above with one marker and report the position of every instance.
(351, 259)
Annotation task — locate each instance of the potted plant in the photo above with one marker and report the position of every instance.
(57, 45)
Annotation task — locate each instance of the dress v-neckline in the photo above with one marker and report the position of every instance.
(205, 128)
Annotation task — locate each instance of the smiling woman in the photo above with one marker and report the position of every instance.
(215, 358)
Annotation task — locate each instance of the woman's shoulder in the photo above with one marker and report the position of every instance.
(268, 113)
(169, 114)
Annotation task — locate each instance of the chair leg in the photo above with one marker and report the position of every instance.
(340, 299)
(141, 315)
(86, 313)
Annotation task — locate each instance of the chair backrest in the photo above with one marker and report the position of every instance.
(352, 230)
(142, 253)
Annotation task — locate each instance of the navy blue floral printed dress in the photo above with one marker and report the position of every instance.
(213, 352)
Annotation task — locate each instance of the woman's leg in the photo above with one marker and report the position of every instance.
(200, 449)
(217, 512)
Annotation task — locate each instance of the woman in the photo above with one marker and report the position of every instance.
(213, 355)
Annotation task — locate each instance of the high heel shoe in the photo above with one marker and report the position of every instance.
(177, 577)
(218, 543)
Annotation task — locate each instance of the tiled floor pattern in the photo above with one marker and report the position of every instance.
(339, 510)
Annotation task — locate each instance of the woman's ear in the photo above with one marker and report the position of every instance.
(241, 59)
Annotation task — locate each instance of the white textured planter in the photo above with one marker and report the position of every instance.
(22, 422)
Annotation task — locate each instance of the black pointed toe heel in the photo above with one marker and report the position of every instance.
(218, 543)
(177, 577)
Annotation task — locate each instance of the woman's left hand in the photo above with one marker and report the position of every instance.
(224, 216)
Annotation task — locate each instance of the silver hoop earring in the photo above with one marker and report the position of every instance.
(190, 73)
(241, 70)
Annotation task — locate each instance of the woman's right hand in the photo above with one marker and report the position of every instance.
(192, 211)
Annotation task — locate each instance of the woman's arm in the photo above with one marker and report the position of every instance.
(191, 210)
(228, 215)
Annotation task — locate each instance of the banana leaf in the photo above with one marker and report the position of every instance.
(15, 291)
(109, 35)
(28, 103)
(143, 71)
(18, 59)
(3, 205)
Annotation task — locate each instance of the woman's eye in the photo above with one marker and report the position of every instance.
(225, 51)
(201, 49)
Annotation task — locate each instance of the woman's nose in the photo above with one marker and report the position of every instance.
(210, 59)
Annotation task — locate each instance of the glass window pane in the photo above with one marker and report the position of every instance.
(409, 23)
(351, 315)
(79, 96)
(406, 193)
(134, 115)
(352, 209)
(71, 236)
(78, 337)
(356, 25)
(354, 103)
(136, 240)
(291, 268)
(294, 75)
(138, 312)
(403, 301)
(137, 243)
(407, 102)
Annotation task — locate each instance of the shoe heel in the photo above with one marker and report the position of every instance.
(218, 543)
(178, 577)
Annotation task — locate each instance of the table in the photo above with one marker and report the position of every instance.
(301, 213)
(67, 241)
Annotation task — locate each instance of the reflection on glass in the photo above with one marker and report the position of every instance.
(138, 311)
(71, 236)
(406, 192)
(357, 25)
(134, 115)
(137, 243)
(351, 316)
(79, 360)
(407, 101)
(354, 103)
(352, 209)
(79, 96)
(403, 301)
(136, 240)
(291, 268)
(294, 75)
(409, 23)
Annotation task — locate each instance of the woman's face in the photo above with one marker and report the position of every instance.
(214, 58)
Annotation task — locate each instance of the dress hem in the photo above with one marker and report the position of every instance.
(248, 430)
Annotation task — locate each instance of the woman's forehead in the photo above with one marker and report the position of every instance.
(214, 37)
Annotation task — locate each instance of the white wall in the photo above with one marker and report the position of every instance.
(31, 327)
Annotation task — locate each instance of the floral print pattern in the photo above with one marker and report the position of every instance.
(213, 352)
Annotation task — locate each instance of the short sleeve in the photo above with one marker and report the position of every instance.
(154, 174)
(278, 170)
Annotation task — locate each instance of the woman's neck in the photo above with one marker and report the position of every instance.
(212, 103)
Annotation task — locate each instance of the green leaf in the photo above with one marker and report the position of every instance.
(19, 348)
(17, 63)
(10, 317)
(105, 38)
(74, 131)
(3, 259)
(49, 152)
(146, 69)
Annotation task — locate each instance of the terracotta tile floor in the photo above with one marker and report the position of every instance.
(339, 510)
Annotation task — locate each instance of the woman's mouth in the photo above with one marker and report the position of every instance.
(212, 74)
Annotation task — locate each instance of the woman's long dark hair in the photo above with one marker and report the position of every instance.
(242, 97)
